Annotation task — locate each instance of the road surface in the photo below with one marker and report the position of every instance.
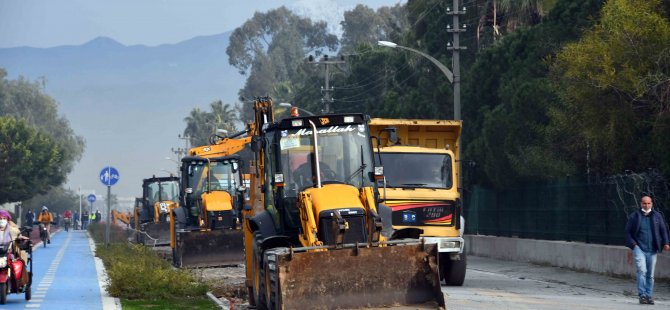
(496, 284)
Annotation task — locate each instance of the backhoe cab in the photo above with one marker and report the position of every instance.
(159, 196)
(206, 230)
(314, 235)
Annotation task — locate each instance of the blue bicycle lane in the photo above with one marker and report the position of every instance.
(66, 275)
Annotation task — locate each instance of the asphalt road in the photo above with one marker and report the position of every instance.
(496, 284)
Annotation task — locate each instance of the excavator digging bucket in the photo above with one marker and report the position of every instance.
(209, 248)
(156, 234)
(356, 277)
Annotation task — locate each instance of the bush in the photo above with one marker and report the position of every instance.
(136, 272)
(117, 234)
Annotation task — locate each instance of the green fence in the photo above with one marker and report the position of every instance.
(566, 209)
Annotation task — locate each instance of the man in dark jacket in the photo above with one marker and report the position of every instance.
(646, 235)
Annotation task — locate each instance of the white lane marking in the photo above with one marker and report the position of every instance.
(49, 276)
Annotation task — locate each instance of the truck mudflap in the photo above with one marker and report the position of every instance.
(155, 234)
(212, 248)
(354, 277)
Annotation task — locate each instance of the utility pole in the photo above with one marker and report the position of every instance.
(327, 99)
(455, 48)
(179, 151)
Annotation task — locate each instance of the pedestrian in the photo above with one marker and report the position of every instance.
(646, 235)
(84, 220)
(30, 218)
(75, 217)
(98, 216)
(46, 218)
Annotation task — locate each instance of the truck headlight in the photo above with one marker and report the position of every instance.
(450, 244)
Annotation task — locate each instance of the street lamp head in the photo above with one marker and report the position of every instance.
(285, 104)
(387, 44)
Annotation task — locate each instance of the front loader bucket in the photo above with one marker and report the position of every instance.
(155, 234)
(209, 248)
(355, 277)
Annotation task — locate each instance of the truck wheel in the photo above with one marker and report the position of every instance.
(453, 271)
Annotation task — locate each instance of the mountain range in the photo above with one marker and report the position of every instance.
(128, 102)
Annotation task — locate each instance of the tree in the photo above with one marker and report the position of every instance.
(509, 97)
(615, 83)
(30, 161)
(23, 99)
(200, 125)
(362, 25)
(271, 47)
(57, 200)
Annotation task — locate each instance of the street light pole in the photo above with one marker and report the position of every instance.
(450, 76)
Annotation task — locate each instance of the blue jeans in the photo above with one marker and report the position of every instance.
(645, 263)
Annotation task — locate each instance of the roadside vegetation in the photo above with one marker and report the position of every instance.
(141, 279)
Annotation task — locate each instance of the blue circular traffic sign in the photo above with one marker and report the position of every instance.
(91, 198)
(109, 176)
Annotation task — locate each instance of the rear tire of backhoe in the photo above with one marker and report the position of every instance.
(258, 274)
(272, 270)
(453, 271)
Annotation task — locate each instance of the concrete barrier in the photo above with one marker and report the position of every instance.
(604, 259)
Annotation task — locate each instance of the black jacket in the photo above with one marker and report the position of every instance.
(658, 229)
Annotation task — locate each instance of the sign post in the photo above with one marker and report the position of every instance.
(91, 200)
(109, 176)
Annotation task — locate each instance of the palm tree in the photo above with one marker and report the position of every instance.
(512, 13)
(196, 127)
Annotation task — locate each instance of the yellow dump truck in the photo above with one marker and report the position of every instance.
(313, 233)
(421, 184)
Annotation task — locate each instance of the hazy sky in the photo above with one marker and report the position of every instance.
(47, 23)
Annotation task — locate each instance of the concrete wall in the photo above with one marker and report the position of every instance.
(604, 259)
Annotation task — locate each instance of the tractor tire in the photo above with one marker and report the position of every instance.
(258, 274)
(273, 294)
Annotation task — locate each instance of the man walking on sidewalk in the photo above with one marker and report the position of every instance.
(646, 235)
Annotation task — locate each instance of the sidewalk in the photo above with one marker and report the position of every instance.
(66, 275)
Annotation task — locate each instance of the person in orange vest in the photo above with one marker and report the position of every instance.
(46, 218)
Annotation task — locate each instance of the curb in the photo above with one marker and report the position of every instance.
(108, 302)
(224, 304)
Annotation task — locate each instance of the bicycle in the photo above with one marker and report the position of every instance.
(44, 235)
(66, 223)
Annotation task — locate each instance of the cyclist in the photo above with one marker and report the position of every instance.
(46, 218)
(67, 219)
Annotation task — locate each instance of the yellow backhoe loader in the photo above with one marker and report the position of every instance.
(315, 235)
(159, 197)
(206, 229)
(122, 217)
